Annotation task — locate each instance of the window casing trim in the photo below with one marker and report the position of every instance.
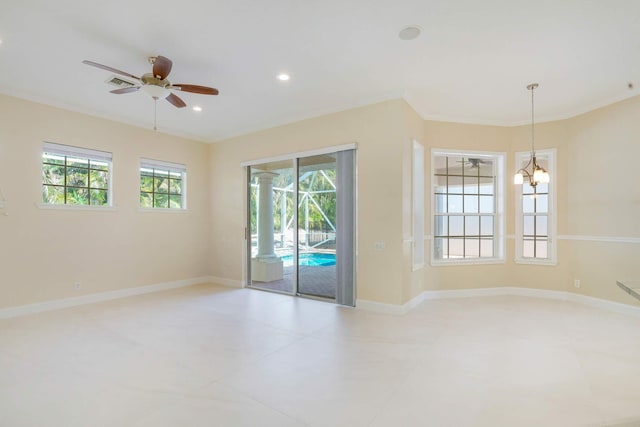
(499, 236)
(83, 153)
(71, 151)
(521, 157)
(171, 168)
(417, 212)
(52, 206)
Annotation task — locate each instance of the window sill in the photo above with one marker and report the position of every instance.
(164, 210)
(525, 261)
(447, 263)
(75, 207)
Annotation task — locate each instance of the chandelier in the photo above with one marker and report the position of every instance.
(537, 174)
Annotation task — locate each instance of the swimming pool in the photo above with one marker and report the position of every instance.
(313, 259)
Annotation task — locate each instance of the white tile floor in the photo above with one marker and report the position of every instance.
(212, 356)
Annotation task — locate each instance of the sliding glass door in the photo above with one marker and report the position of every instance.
(301, 219)
(317, 226)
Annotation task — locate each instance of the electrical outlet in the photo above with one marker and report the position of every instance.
(380, 246)
(76, 286)
(576, 283)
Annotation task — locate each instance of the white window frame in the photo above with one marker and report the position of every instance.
(168, 166)
(82, 153)
(499, 217)
(521, 159)
(418, 254)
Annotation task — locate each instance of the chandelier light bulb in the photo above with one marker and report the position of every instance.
(544, 179)
(537, 176)
(518, 178)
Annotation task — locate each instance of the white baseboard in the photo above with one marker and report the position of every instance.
(604, 304)
(379, 307)
(413, 302)
(465, 293)
(22, 310)
(227, 282)
(367, 305)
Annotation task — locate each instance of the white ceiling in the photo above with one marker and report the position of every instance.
(471, 63)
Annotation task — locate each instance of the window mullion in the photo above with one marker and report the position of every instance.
(466, 204)
(65, 180)
(60, 162)
(162, 179)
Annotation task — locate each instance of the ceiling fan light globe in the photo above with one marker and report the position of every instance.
(156, 92)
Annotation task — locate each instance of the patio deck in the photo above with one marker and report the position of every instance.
(314, 280)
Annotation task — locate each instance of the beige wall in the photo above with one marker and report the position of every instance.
(377, 131)
(603, 198)
(601, 204)
(43, 252)
(413, 130)
(458, 136)
(384, 133)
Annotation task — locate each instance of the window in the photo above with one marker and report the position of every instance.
(535, 216)
(468, 206)
(75, 176)
(162, 185)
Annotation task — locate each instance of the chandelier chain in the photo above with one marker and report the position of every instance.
(533, 152)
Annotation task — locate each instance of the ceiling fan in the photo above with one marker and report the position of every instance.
(472, 162)
(155, 84)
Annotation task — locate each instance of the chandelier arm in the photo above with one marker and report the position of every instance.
(525, 172)
(536, 165)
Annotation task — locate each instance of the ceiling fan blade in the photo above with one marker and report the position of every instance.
(125, 90)
(113, 70)
(162, 67)
(196, 89)
(176, 101)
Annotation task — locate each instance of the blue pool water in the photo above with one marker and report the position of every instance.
(314, 259)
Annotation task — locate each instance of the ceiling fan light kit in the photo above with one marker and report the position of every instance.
(154, 87)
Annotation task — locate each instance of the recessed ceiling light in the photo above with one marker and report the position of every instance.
(197, 108)
(410, 32)
(284, 77)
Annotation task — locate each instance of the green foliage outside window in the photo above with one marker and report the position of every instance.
(74, 180)
(160, 188)
(320, 189)
(318, 186)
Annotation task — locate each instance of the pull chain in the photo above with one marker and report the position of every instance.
(155, 113)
